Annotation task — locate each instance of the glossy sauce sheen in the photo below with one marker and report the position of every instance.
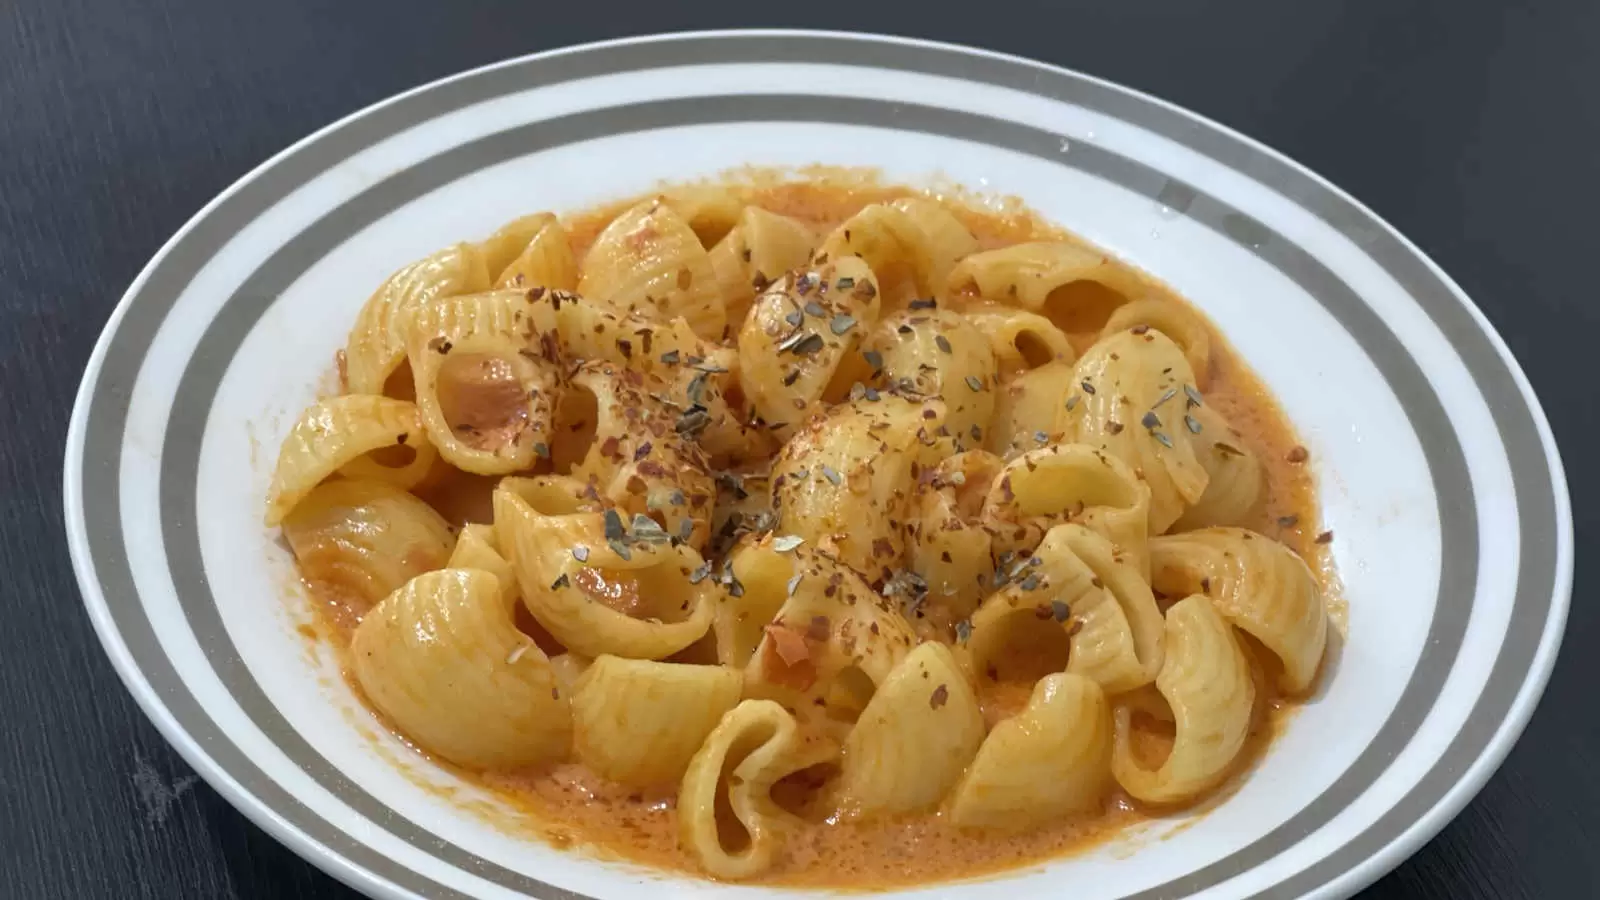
(570, 807)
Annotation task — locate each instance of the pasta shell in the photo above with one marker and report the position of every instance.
(377, 342)
(443, 660)
(1257, 584)
(335, 433)
(1207, 684)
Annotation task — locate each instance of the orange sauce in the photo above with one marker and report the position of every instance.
(568, 806)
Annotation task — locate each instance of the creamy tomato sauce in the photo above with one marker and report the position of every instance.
(571, 807)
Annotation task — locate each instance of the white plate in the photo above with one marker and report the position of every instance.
(1438, 472)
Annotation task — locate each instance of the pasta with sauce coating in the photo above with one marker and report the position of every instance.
(377, 344)
(335, 433)
(361, 540)
(543, 260)
(842, 482)
(832, 641)
(639, 722)
(1258, 585)
(728, 789)
(929, 352)
(1069, 482)
(486, 398)
(568, 565)
(1130, 402)
(1050, 761)
(649, 260)
(1206, 682)
(760, 247)
(798, 343)
(913, 739)
(443, 660)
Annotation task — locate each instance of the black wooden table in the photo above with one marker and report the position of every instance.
(1474, 128)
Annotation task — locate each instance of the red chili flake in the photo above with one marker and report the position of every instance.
(789, 643)
(1114, 427)
(1205, 585)
(1140, 329)
(1298, 454)
(609, 448)
(402, 438)
(941, 695)
(1325, 537)
(626, 347)
(636, 485)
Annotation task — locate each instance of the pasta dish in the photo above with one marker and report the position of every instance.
(808, 531)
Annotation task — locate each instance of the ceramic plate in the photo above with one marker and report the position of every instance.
(1437, 470)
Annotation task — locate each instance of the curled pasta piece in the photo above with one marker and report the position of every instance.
(1117, 637)
(937, 354)
(892, 245)
(760, 247)
(476, 548)
(509, 240)
(639, 722)
(442, 658)
(763, 575)
(798, 344)
(1134, 390)
(1028, 410)
(947, 546)
(377, 344)
(1074, 286)
(843, 483)
(945, 240)
(338, 432)
(361, 540)
(543, 260)
(643, 459)
(1257, 584)
(486, 398)
(710, 210)
(1206, 681)
(1050, 761)
(1173, 319)
(1069, 482)
(694, 374)
(1021, 340)
(649, 260)
(1072, 605)
(913, 739)
(832, 641)
(1236, 482)
(599, 586)
(726, 815)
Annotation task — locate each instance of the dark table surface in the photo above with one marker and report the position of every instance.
(1473, 127)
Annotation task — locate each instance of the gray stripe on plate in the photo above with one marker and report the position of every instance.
(122, 362)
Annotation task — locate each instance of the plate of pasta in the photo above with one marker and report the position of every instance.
(739, 464)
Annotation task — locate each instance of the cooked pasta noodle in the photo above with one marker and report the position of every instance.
(1206, 682)
(808, 533)
(442, 658)
(1257, 584)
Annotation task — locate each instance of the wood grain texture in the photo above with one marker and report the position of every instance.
(1470, 126)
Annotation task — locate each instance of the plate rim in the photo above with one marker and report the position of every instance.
(1423, 828)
